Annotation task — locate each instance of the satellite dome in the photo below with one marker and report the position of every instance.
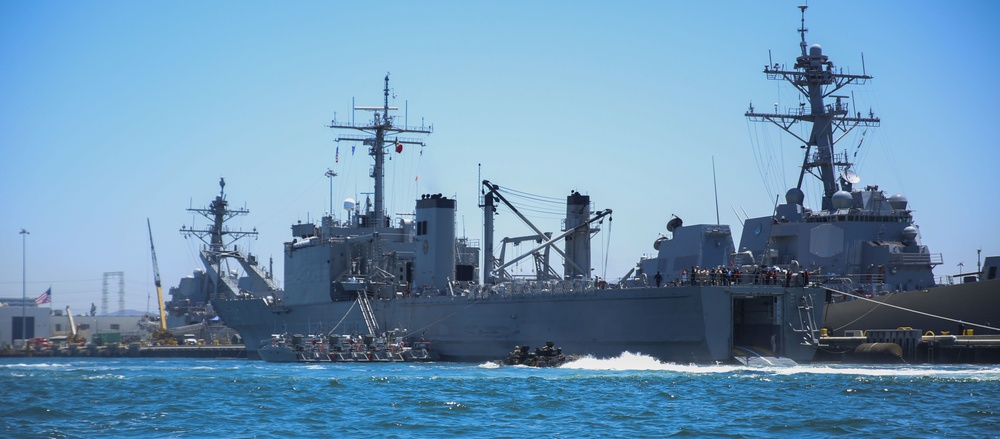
(898, 202)
(349, 204)
(674, 224)
(842, 200)
(815, 50)
(909, 235)
(656, 244)
(795, 196)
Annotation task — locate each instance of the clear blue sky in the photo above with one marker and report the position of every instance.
(112, 112)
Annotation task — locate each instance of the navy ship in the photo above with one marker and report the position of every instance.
(861, 243)
(371, 273)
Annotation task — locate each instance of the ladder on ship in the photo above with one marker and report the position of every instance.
(366, 311)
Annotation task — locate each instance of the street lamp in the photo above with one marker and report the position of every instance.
(24, 290)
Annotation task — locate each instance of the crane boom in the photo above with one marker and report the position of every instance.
(156, 279)
(74, 331)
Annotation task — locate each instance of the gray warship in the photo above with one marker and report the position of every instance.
(228, 268)
(370, 273)
(862, 244)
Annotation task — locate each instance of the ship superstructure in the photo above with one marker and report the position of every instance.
(861, 242)
(191, 298)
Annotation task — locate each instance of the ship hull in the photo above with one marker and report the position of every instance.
(974, 303)
(275, 354)
(680, 324)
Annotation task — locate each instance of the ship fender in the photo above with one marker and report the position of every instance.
(878, 353)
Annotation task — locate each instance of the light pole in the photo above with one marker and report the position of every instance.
(24, 289)
(330, 174)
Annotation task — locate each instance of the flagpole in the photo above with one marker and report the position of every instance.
(24, 289)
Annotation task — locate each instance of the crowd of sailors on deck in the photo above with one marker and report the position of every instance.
(744, 275)
(695, 276)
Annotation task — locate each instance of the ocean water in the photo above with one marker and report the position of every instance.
(630, 396)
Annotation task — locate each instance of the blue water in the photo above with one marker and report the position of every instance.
(629, 396)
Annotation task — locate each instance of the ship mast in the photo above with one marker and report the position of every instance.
(217, 235)
(815, 77)
(377, 132)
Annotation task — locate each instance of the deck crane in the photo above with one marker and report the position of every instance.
(74, 333)
(161, 333)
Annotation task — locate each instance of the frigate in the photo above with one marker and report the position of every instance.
(371, 273)
(862, 244)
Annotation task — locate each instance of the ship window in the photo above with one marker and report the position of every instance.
(58, 327)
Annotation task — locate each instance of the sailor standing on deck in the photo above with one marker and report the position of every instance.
(658, 278)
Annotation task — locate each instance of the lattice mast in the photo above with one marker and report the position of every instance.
(378, 131)
(217, 236)
(816, 78)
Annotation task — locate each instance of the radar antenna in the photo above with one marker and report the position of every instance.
(803, 29)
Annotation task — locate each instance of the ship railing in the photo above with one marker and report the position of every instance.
(530, 288)
(851, 279)
(916, 259)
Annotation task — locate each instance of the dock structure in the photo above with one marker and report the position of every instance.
(909, 345)
(131, 350)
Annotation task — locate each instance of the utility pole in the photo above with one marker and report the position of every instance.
(24, 289)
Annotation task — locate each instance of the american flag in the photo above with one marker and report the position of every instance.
(46, 297)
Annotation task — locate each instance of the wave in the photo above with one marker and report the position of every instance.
(628, 361)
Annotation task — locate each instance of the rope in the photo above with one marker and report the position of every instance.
(607, 251)
(883, 303)
(344, 317)
(474, 302)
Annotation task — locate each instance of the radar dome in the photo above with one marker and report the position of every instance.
(909, 235)
(349, 204)
(656, 244)
(898, 202)
(842, 200)
(674, 224)
(795, 196)
(815, 50)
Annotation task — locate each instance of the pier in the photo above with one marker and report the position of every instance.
(908, 345)
(131, 350)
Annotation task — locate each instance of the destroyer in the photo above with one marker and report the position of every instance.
(371, 271)
(862, 244)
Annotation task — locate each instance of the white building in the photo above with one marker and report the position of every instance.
(34, 324)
